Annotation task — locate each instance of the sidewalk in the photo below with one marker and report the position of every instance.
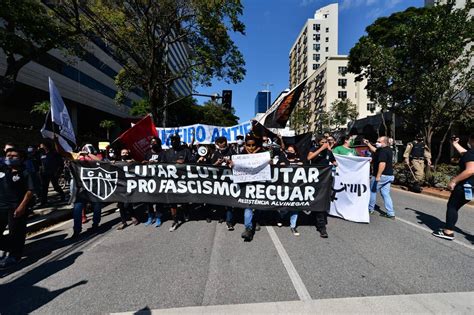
(433, 303)
(433, 192)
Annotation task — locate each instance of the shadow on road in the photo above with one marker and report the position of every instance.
(22, 296)
(434, 223)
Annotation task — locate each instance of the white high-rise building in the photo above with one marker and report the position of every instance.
(317, 41)
(329, 83)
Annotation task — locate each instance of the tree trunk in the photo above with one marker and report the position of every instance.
(441, 144)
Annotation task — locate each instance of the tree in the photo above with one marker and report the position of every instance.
(299, 118)
(107, 125)
(141, 34)
(418, 65)
(41, 108)
(215, 114)
(342, 111)
(28, 30)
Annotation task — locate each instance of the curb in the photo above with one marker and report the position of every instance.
(428, 193)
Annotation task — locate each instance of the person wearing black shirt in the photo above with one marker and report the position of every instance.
(16, 190)
(155, 155)
(459, 187)
(290, 157)
(222, 157)
(320, 153)
(51, 161)
(178, 154)
(382, 175)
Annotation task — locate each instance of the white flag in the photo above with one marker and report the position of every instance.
(58, 121)
(351, 190)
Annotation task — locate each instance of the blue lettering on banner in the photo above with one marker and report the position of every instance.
(200, 134)
(215, 134)
(226, 133)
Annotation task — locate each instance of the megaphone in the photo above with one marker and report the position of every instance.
(202, 151)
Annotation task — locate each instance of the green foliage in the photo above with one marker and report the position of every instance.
(342, 111)
(214, 114)
(41, 108)
(418, 65)
(30, 29)
(299, 117)
(140, 108)
(107, 124)
(439, 178)
(143, 32)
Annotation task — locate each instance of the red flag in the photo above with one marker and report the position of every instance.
(137, 139)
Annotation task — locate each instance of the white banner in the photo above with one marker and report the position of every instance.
(251, 167)
(61, 122)
(351, 190)
(204, 134)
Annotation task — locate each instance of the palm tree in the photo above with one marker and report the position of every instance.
(107, 125)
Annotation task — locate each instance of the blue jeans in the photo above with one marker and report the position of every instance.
(383, 186)
(229, 215)
(77, 214)
(293, 217)
(248, 216)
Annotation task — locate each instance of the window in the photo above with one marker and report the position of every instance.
(317, 27)
(371, 107)
(326, 16)
(342, 70)
(317, 37)
(316, 47)
(315, 66)
(342, 95)
(327, 39)
(327, 49)
(327, 29)
(316, 57)
(342, 82)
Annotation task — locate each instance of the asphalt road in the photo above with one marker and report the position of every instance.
(147, 268)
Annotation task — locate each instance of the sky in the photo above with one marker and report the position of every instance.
(271, 29)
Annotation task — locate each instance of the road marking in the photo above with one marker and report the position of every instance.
(298, 284)
(430, 231)
(50, 228)
(428, 196)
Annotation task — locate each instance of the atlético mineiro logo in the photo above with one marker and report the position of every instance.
(99, 182)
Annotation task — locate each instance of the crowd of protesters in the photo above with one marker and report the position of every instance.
(26, 175)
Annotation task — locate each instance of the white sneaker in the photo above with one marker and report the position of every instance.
(174, 226)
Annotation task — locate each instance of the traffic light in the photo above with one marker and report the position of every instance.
(227, 99)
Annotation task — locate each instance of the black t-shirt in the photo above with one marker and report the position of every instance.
(13, 187)
(222, 154)
(383, 155)
(155, 157)
(50, 162)
(183, 153)
(467, 157)
(325, 157)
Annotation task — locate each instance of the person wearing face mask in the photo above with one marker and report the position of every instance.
(415, 155)
(50, 164)
(240, 144)
(155, 155)
(7, 146)
(344, 147)
(126, 208)
(222, 156)
(382, 175)
(79, 205)
(16, 191)
(251, 216)
(178, 154)
(319, 154)
(461, 187)
(290, 158)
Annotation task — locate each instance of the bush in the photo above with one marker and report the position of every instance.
(439, 179)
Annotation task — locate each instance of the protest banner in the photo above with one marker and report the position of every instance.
(204, 134)
(299, 188)
(251, 167)
(351, 193)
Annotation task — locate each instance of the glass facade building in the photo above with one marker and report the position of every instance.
(262, 101)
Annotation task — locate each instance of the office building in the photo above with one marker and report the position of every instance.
(262, 101)
(317, 41)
